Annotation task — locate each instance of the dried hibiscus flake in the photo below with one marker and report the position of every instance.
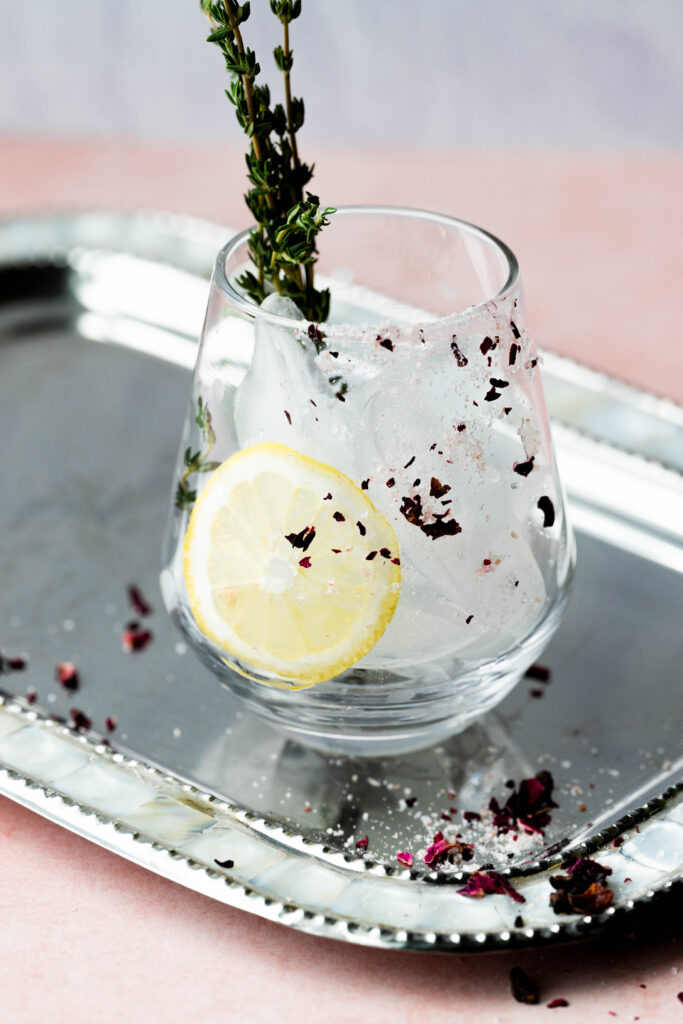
(471, 816)
(134, 638)
(303, 539)
(524, 990)
(437, 489)
(390, 482)
(441, 529)
(289, 418)
(554, 1004)
(361, 528)
(411, 801)
(305, 563)
(491, 395)
(339, 517)
(386, 343)
(486, 345)
(362, 844)
(548, 509)
(524, 468)
(582, 890)
(224, 863)
(404, 858)
(490, 883)
(110, 723)
(515, 333)
(66, 675)
(460, 358)
(31, 696)
(16, 664)
(409, 462)
(441, 851)
(369, 558)
(80, 720)
(514, 349)
(137, 601)
(538, 672)
(527, 807)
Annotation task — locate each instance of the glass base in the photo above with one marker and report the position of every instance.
(373, 713)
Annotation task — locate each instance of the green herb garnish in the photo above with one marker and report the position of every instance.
(196, 462)
(288, 219)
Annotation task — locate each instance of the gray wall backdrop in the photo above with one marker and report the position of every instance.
(571, 74)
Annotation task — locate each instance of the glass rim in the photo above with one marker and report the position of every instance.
(246, 306)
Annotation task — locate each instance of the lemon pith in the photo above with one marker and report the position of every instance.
(289, 566)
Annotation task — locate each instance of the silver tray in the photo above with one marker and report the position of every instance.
(98, 319)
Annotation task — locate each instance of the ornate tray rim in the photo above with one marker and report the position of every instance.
(194, 244)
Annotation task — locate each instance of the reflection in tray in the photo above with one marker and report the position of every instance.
(90, 471)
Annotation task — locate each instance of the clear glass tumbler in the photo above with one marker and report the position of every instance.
(368, 541)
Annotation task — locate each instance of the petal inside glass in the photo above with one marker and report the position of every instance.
(423, 392)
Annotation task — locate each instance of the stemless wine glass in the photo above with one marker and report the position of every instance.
(368, 541)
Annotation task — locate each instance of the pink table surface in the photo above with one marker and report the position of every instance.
(85, 934)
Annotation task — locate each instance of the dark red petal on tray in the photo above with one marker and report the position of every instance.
(527, 807)
(490, 883)
(110, 723)
(361, 528)
(362, 844)
(339, 517)
(79, 719)
(538, 672)
(555, 1004)
(224, 863)
(305, 563)
(289, 418)
(513, 328)
(134, 638)
(66, 675)
(31, 696)
(405, 858)
(486, 345)
(16, 664)
(411, 801)
(137, 601)
(391, 482)
(582, 890)
(386, 343)
(524, 990)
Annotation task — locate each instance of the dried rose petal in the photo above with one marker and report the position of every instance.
(303, 539)
(67, 676)
(460, 358)
(471, 816)
(441, 851)
(386, 343)
(110, 723)
(31, 696)
(362, 844)
(305, 563)
(548, 509)
(405, 858)
(554, 1004)
(224, 863)
(17, 664)
(583, 889)
(137, 601)
(524, 468)
(538, 672)
(80, 720)
(527, 807)
(134, 638)
(437, 489)
(490, 883)
(524, 990)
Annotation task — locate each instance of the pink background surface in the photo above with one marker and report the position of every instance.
(86, 935)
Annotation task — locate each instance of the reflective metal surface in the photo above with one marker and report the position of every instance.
(97, 319)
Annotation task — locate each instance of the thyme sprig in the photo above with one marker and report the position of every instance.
(196, 462)
(288, 217)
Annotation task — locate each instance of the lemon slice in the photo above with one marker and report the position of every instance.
(289, 565)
